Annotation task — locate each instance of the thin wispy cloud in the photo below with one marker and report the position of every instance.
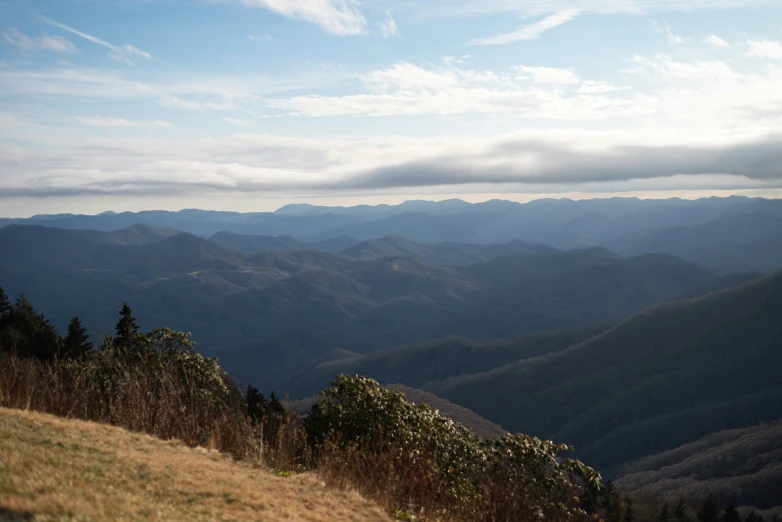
(123, 53)
(716, 41)
(468, 8)
(547, 75)
(388, 27)
(193, 105)
(339, 17)
(667, 31)
(532, 31)
(236, 121)
(26, 44)
(101, 121)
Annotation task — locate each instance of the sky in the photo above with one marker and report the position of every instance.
(252, 104)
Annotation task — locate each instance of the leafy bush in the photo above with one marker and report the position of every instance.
(360, 430)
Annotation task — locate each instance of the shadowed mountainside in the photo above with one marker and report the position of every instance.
(740, 467)
(660, 379)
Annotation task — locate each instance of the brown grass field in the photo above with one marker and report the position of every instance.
(58, 469)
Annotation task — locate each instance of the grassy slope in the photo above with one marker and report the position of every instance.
(56, 469)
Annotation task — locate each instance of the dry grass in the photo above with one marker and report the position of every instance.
(57, 469)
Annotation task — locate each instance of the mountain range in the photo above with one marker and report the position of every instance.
(268, 311)
(636, 331)
(728, 234)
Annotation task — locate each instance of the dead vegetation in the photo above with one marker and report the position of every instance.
(57, 469)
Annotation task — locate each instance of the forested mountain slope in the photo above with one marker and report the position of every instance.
(660, 379)
(741, 467)
(269, 311)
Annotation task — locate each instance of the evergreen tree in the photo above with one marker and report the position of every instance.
(590, 499)
(5, 319)
(77, 343)
(680, 513)
(611, 503)
(754, 517)
(256, 405)
(731, 515)
(30, 334)
(665, 513)
(5, 307)
(127, 329)
(275, 407)
(629, 513)
(710, 512)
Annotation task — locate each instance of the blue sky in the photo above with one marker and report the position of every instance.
(251, 104)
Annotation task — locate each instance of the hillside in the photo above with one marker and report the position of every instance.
(740, 467)
(453, 254)
(254, 244)
(741, 241)
(56, 469)
(418, 364)
(663, 378)
(266, 314)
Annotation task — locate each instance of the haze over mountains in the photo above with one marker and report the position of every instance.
(730, 234)
(627, 328)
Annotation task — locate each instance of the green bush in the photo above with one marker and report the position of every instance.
(438, 466)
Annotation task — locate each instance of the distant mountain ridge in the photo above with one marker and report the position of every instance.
(629, 226)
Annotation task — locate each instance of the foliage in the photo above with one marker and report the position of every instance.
(440, 464)
(127, 329)
(76, 343)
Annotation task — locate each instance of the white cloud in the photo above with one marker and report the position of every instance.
(665, 29)
(101, 121)
(470, 8)
(123, 53)
(182, 103)
(598, 87)
(340, 17)
(388, 27)
(532, 92)
(405, 75)
(716, 41)
(547, 75)
(263, 163)
(24, 43)
(236, 121)
(533, 31)
(769, 49)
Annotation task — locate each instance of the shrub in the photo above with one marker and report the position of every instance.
(423, 460)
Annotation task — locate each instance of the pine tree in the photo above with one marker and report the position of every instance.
(5, 306)
(275, 406)
(127, 329)
(681, 513)
(731, 515)
(5, 319)
(710, 512)
(77, 343)
(665, 513)
(611, 503)
(629, 513)
(754, 517)
(590, 498)
(256, 405)
(33, 334)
